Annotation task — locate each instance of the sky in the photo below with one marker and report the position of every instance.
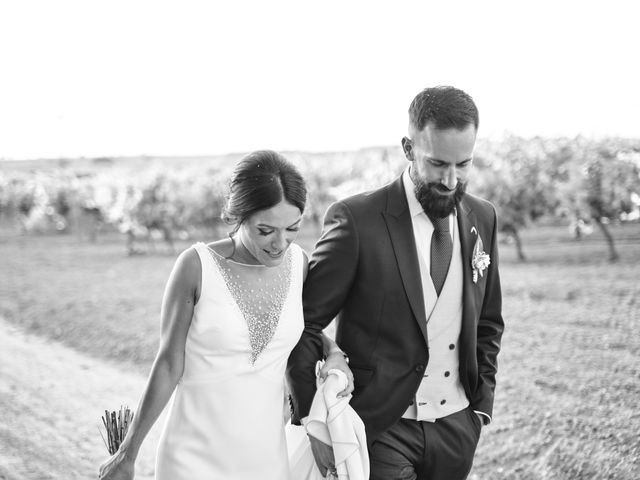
(118, 78)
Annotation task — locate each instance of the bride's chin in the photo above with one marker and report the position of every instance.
(269, 261)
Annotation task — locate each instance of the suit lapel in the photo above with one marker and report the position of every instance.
(468, 228)
(398, 220)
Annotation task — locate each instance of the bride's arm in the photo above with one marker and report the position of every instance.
(178, 303)
(335, 359)
(330, 347)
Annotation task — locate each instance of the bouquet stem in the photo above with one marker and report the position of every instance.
(116, 425)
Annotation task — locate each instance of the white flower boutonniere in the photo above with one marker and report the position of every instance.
(479, 260)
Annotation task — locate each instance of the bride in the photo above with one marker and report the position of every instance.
(231, 314)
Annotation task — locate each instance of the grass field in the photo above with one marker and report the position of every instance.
(569, 379)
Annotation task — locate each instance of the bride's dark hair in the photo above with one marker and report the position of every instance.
(261, 180)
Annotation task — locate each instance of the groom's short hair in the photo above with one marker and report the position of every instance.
(445, 107)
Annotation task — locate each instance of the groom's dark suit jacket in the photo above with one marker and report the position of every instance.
(365, 272)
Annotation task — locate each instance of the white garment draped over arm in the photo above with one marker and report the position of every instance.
(333, 421)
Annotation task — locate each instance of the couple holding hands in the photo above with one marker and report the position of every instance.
(408, 271)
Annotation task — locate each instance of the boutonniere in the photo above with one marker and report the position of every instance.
(479, 260)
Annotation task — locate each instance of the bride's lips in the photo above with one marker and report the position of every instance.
(274, 255)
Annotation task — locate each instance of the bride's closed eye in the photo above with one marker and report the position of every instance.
(264, 233)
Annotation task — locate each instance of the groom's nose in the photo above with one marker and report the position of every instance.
(450, 178)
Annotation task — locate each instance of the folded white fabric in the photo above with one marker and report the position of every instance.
(332, 421)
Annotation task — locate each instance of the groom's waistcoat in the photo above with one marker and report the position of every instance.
(440, 392)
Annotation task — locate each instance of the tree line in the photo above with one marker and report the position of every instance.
(579, 181)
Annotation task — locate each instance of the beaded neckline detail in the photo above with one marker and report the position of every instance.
(259, 294)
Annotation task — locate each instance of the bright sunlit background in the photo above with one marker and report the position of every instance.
(201, 77)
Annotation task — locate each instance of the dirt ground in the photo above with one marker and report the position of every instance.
(66, 393)
(568, 379)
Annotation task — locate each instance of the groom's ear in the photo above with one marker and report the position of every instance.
(407, 148)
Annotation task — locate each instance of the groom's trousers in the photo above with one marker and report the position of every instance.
(418, 450)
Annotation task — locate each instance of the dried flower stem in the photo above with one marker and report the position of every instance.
(116, 425)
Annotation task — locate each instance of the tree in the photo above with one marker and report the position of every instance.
(515, 176)
(611, 180)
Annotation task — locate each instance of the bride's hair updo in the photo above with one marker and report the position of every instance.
(261, 180)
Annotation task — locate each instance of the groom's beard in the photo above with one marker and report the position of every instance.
(435, 204)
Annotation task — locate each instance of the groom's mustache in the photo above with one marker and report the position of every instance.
(440, 188)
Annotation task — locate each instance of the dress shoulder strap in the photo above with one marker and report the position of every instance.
(202, 251)
(297, 266)
(206, 262)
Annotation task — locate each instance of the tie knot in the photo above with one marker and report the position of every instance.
(440, 224)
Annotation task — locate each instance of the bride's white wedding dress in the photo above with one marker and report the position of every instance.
(225, 419)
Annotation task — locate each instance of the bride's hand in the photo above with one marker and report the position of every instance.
(338, 361)
(117, 467)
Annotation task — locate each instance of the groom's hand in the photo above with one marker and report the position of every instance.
(323, 455)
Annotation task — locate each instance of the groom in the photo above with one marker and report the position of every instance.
(411, 272)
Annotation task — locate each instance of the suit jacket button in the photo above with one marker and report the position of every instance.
(419, 368)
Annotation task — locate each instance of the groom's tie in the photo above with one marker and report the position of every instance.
(441, 248)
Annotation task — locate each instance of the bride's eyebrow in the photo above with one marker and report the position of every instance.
(266, 225)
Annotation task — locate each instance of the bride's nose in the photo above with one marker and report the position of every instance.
(279, 241)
